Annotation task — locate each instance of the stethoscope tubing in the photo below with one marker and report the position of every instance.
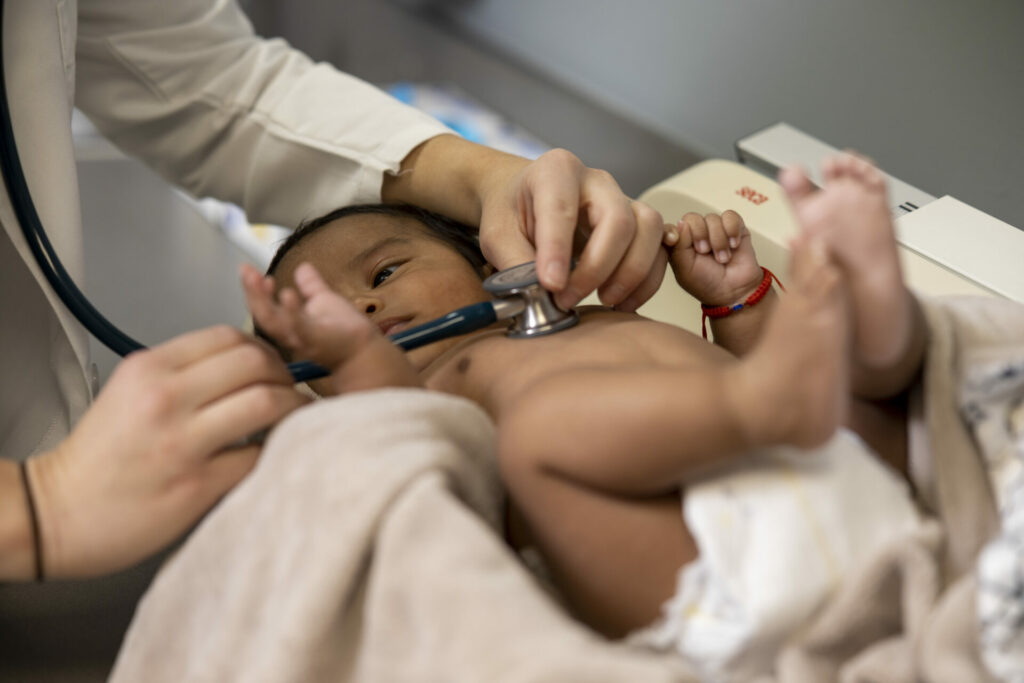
(35, 236)
(460, 321)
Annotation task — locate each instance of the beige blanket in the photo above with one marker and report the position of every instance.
(366, 546)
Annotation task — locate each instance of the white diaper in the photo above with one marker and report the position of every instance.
(775, 538)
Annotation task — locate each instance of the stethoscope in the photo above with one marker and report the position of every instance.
(518, 295)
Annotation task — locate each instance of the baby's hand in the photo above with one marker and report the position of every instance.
(712, 257)
(324, 327)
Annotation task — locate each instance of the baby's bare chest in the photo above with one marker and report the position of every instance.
(494, 369)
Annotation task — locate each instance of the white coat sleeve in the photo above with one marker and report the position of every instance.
(186, 86)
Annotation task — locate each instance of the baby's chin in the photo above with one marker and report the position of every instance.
(424, 357)
(431, 357)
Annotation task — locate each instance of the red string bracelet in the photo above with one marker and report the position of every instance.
(714, 312)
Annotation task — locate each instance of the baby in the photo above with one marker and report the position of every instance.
(605, 427)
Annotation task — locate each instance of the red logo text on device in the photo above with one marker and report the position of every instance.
(752, 195)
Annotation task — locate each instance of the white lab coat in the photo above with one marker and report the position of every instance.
(187, 87)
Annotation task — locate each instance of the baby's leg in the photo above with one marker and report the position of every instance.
(797, 377)
(594, 486)
(851, 214)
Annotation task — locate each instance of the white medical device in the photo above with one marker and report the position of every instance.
(946, 247)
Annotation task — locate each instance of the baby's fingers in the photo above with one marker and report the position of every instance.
(259, 298)
(682, 253)
(309, 281)
(734, 227)
(694, 223)
(718, 238)
(291, 321)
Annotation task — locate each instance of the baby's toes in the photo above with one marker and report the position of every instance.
(870, 176)
(795, 182)
(833, 168)
(808, 255)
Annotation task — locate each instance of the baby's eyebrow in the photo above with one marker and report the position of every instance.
(374, 248)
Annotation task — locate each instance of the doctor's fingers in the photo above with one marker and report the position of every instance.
(649, 286)
(640, 265)
(624, 238)
(238, 416)
(227, 372)
(550, 205)
(191, 347)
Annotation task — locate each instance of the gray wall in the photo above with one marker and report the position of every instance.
(385, 41)
(932, 89)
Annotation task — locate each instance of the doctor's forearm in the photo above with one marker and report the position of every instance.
(448, 175)
(16, 549)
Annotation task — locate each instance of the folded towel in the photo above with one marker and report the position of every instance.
(365, 547)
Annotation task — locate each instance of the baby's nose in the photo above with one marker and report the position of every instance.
(369, 304)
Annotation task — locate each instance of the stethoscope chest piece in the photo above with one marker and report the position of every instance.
(540, 315)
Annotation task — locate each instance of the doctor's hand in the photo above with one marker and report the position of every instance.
(157, 450)
(546, 210)
(554, 206)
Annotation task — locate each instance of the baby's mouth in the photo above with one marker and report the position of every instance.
(390, 326)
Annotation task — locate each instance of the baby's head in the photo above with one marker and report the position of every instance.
(400, 265)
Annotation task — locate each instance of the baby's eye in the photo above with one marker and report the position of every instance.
(383, 274)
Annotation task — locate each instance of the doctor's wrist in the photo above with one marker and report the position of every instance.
(17, 547)
(452, 176)
(65, 552)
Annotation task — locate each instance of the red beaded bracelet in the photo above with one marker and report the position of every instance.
(714, 312)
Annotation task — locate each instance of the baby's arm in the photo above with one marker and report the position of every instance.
(324, 327)
(713, 259)
(629, 431)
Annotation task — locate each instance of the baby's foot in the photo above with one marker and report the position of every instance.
(851, 215)
(795, 383)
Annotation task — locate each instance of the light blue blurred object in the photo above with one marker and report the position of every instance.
(468, 118)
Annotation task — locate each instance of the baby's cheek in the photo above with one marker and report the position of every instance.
(451, 295)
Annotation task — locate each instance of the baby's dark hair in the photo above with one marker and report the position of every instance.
(460, 237)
